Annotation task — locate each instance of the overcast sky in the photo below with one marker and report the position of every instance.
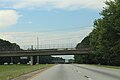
(52, 21)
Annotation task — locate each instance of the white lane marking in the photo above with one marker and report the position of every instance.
(76, 70)
(90, 79)
(79, 72)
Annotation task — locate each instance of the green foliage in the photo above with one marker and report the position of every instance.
(7, 46)
(45, 59)
(105, 38)
(81, 59)
(84, 44)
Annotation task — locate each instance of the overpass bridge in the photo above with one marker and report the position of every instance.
(39, 52)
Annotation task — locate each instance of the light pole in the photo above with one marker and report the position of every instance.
(37, 43)
(38, 49)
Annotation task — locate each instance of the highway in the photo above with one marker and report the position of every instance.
(78, 72)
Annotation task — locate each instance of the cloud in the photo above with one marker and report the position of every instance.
(45, 38)
(8, 18)
(55, 4)
(61, 4)
(78, 4)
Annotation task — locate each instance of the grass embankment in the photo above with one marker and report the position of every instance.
(11, 71)
(106, 66)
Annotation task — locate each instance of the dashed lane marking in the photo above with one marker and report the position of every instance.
(88, 77)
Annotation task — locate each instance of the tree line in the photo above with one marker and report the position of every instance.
(7, 46)
(104, 40)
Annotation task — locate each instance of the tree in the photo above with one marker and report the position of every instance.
(105, 38)
(7, 46)
(85, 43)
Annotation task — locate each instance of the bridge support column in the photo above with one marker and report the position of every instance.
(31, 59)
(11, 60)
(38, 59)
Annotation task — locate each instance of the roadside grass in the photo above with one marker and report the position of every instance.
(8, 72)
(106, 66)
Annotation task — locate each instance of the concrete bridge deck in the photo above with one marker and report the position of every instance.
(43, 52)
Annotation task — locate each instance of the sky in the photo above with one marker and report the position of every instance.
(54, 22)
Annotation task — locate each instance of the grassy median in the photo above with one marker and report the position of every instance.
(11, 71)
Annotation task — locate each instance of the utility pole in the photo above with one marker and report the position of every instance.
(37, 43)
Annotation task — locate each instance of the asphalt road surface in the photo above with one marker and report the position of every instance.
(78, 72)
